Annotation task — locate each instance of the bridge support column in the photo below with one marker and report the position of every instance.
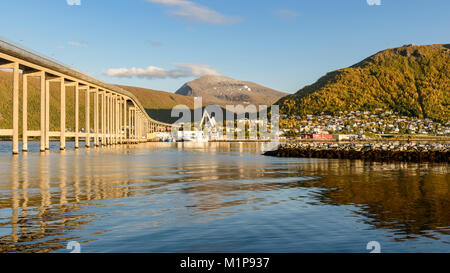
(121, 120)
(110, 120)
(140, 127)
(107, 118)
(110, 139)
(15, 117)
(135, 125)
(114, 118)
(88, 118)
(47, 114)
(124, 119)
(62, 140)
(129, 124)
(102, 113)
(113, 133)
(25, 113)
(119, 109)
(43, 121)
(130, 115)
(96, 118)
(117, 104)
(77, 116)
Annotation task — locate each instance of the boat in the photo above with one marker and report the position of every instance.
(191, 136)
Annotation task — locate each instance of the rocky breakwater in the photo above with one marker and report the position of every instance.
(411, 152)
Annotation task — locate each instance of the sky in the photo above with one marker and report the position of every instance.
(161, 44)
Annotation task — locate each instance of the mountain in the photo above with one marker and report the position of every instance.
(412, 80)
(159, 104)
(224, 91)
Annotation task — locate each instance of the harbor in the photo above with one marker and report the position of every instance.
(195, 197)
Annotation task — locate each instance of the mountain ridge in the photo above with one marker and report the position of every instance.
(222, 91)
(413, 80)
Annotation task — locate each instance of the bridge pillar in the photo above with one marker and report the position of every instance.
(109, 120)
(122, 121)
(43, 121)
(102, 114)
(77, 116)
(15, 117)
(129, 123)
(136, 125)
(125, 119)
(96, 118)
(119, 119)
(88, 118)
(113, 119)
(135, 129)
(106, 119)
(140, 127)
(108, 116)
(119, 105)
(116, 119)
(47, 114)
(25, 113)
(133, 125)
(62, 140)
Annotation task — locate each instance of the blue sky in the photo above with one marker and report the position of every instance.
(161, 44)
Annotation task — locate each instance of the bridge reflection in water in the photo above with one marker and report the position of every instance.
(138, 192)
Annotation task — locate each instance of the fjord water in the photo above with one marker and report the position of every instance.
(217, 197)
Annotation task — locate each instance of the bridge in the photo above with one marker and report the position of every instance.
(118, 116)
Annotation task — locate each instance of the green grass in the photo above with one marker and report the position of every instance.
(34, 104)
(158, 104)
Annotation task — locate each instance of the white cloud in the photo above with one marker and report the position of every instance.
(286, 13)
(189, 70)
(373, 2)
(149, 72)
(182, 70)
(193, 12)
(73, 2)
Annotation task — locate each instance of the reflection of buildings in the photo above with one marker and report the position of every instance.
(410, 199)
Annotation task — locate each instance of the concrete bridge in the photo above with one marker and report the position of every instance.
(118, 117)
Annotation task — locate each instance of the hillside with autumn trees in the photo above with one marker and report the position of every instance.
(411, 80)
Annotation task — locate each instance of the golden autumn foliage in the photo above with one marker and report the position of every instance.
(411, 80)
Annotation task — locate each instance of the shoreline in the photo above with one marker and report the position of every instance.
(410, 152)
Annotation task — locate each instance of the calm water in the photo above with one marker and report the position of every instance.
(217, 197)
